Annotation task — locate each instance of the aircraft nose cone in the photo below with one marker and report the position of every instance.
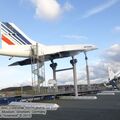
(90, 47)
(94, 47)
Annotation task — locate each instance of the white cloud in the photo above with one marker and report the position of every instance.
(116, 29)
(112, 57)
(74, 37)
(100, 8)
(50, 9)
(47, 9)
(113, 53)
(67, 6)
(13, 76)
(98, 74)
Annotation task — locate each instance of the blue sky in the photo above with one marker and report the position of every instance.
(62, 22)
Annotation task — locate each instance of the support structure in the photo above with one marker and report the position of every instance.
(73, 62)
(37, 68)
(87, 71)
(54, 66)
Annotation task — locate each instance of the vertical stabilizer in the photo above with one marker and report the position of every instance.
(111, 74)
(11, 35)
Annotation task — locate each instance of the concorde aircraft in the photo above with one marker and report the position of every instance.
(112, 78)
(16, 44)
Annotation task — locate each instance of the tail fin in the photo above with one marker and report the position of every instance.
(111, 74)
(12, 35)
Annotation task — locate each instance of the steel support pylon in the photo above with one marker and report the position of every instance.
(73, 62)
(87, 71)
(53, 66)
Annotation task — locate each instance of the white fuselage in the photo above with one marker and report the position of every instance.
(26, 50)
(16, 51)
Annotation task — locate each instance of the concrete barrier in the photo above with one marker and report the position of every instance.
(106, 93)
(78, 98)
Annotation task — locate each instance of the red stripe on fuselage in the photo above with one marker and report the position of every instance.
(5, 39)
